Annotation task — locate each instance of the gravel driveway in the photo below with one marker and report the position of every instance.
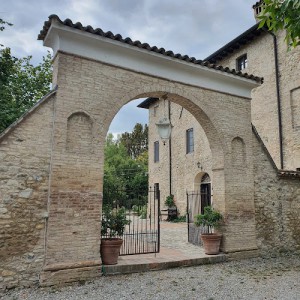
(259, 278)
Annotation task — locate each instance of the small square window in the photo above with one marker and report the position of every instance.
(242, 62)
(190, 140)
(156, 151)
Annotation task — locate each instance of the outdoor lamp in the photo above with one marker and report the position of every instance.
(164, 128)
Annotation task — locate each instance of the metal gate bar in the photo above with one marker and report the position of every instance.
(142, 235)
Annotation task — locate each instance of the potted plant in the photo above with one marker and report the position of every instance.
(172, 209)
(210, 220)
(113, 226)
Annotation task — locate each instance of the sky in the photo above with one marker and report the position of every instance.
(193, 27)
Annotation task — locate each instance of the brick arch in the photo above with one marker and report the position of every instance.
(75, 194)
(101, 75)
(190, 102)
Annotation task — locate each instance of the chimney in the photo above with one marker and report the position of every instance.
(257, 8)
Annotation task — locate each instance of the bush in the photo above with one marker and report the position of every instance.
(169, 202)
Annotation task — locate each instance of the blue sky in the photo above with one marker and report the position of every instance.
(193, 27)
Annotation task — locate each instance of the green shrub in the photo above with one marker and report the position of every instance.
(209, 220)
(169, 202)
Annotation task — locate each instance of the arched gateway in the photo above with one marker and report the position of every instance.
(95, 74)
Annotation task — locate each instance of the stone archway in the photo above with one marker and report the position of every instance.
(95, 76)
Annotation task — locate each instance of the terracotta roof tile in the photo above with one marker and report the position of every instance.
(138, 44)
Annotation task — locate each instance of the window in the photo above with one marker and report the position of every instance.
(258, 10)
(190, 140)
(155, 109)
(156, 151)
(242, 62)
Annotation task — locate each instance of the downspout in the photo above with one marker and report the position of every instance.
(170, 151)
(278, 97)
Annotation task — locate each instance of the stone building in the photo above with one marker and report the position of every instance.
(51, 170)
(182, 165)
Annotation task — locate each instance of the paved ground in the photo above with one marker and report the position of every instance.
(175, 251)
(251, 279)
(175, 236)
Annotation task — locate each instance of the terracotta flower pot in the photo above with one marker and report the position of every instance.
(211, 243)
(110, 250)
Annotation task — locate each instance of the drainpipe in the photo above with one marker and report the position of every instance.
(170, 151)
(278, 97)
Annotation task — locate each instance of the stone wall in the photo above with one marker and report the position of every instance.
(24, 180)
(261, 62)
(277, 204)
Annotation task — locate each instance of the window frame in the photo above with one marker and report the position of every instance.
(242, 62)
(156, 151)
(189, 136)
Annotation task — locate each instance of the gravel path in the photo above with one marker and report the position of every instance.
(259, 278)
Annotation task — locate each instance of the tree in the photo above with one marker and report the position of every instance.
(136, 142)
(282, 14)
(2, 26)
(125, 178)
(21, 83)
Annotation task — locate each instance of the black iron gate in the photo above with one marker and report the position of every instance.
(142, 234)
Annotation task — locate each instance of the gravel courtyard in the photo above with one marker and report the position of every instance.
(259, 278)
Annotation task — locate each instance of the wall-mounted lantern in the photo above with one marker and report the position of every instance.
(164, 129)
(164, 126)
(199, 165)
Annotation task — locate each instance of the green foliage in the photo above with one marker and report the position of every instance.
(209, 220)
(169, 202)
(113, 221)
(2, 26)
(3, 23)
(135, 142)
(180, 219)
(21, 85)
(125, 179)
(282, 14)
(140, 211)
(143, 212)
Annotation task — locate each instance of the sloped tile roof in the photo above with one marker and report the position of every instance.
(140, 45)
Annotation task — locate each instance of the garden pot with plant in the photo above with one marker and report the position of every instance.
(172, 208)
(210, 220)
(113, 226)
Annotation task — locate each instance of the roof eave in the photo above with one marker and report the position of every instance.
(235, 44)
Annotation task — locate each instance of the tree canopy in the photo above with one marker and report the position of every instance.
(282, 14)
(125, 177)
(135, 142)
(21, 83)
